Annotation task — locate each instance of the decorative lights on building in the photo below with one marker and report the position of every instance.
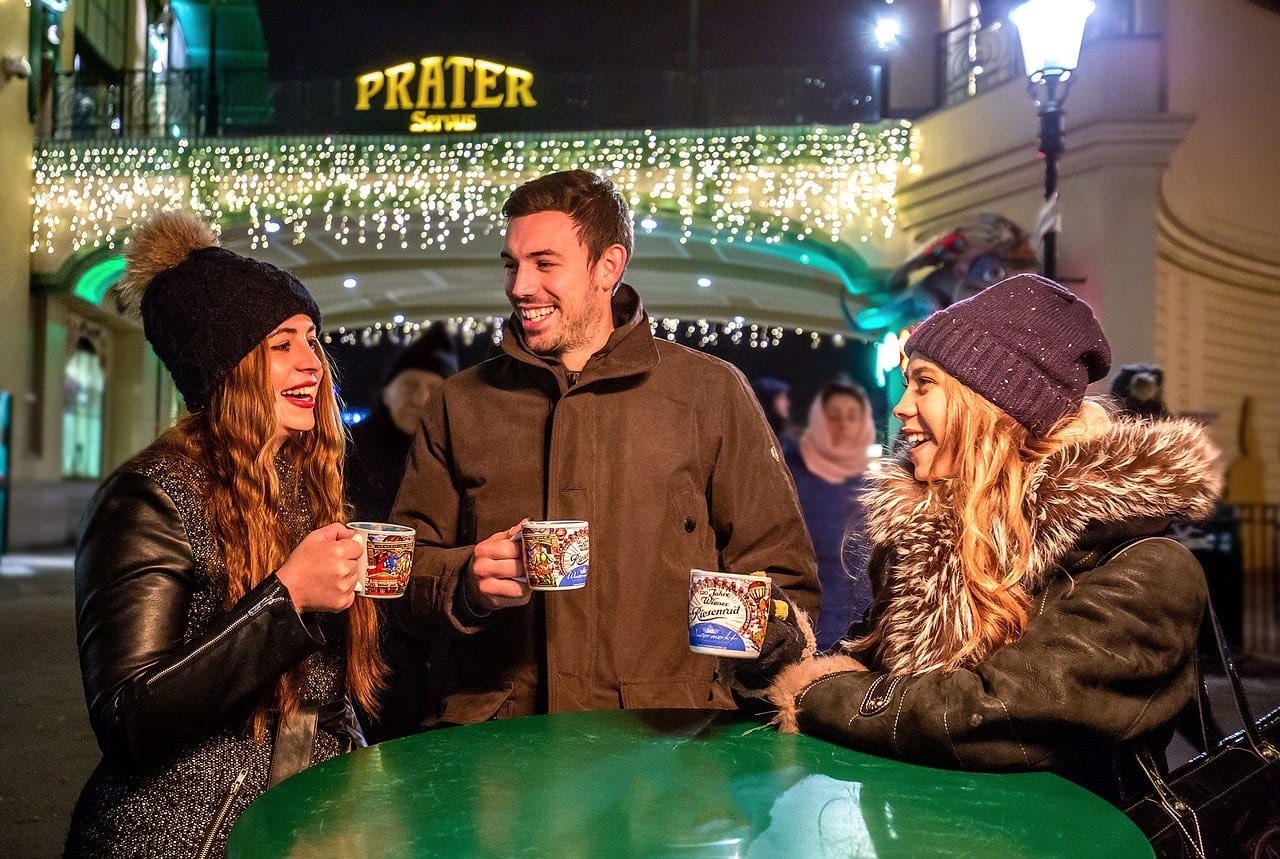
(747, 185)
(692, 332)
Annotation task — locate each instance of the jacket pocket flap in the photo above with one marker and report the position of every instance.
(470, 706)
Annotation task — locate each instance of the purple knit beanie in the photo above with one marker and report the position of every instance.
(1025, 343)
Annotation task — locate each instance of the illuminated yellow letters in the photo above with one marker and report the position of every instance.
(398, 78)
(518, 83)
(431, 85)
(460, 66)
(420, 121)
(435, 92)
(367, 86)
(487, 94)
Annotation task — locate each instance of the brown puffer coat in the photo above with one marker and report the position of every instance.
(1107, 659)
(664, 451)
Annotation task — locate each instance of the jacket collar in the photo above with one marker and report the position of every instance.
(1088, 496)
(630, 350)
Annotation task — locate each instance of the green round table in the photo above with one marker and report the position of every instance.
(664, 783)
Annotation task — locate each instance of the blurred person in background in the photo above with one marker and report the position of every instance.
(828, 467)
(380, 443)
(375, 465)
(774, 396)
(220, 639)
(1138, 390)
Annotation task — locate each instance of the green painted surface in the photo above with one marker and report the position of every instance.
(95, 282)
(664, 783)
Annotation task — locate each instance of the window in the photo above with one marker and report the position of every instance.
(82, 413)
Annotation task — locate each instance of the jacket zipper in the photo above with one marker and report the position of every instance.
(212, 832)
(155, 678)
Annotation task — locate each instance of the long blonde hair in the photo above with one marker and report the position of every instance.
(232, 440)
(993, 462)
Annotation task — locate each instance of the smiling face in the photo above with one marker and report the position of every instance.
(923, 412)
(560, 296)
(296, 373)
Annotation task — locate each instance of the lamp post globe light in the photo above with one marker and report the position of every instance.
(1050, 32)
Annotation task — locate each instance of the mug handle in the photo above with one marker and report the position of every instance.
(363, 574)
(518, 537)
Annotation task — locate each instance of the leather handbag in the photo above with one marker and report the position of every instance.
(1226, 801)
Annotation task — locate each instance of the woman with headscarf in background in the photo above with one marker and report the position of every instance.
(828, 467)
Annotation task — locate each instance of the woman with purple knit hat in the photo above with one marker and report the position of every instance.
(1027, 614)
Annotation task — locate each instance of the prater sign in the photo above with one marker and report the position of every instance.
(442, 93)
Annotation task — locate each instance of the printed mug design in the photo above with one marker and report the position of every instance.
(388, 562)
(388, 559)
(728, 614)
(556, 556)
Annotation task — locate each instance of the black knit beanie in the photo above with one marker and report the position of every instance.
(1024, 343)
(205, 308)
(433, 352)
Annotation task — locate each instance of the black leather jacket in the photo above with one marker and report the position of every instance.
(171, 677)
(1106, 663)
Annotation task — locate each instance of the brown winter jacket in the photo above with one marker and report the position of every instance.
(664, 451)
(1106, 660)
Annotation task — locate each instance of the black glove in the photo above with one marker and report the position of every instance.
(784, 643)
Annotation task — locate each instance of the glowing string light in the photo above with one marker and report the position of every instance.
(748, 185)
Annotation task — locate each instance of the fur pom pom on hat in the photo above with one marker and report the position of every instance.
(1025, 343)
(204, 308)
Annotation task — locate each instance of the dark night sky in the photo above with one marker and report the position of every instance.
(344, 38)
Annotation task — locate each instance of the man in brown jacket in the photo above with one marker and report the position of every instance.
(662, 449)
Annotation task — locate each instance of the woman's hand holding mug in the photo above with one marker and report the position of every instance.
(321, 573)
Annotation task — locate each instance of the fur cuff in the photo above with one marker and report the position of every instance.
(731, 670)
(797, 677)
(806, 629)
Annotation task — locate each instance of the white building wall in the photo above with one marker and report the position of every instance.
(1218, 282)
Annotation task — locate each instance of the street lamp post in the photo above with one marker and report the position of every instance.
(1050, 32)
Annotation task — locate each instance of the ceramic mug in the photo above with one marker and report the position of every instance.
(728, 613)
(556, 554)
(388, 559)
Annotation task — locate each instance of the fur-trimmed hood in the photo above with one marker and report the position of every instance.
(1132, 471)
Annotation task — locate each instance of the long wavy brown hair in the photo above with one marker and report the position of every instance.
(993, 462)
(232, 440)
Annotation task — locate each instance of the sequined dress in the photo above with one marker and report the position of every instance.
(181, 799)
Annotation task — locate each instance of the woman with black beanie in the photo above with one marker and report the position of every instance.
(220, 640)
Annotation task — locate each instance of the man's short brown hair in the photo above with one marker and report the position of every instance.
(597, 209)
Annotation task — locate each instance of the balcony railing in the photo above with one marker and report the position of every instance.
(176, 103)
(127, 104)
(1260, 550)
(973, 59)
(980, 54)
(1240, 553)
